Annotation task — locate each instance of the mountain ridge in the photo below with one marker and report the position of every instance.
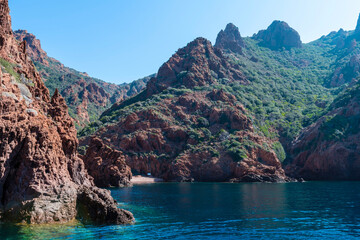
(284, 87)
(86, 97)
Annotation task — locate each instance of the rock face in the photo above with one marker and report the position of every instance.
(180, 134)
(106, 166)
(329, 149)
(197, 64)
(42, 180)
(86, 97)
(279, 35)
(347, 73)
(230, 39)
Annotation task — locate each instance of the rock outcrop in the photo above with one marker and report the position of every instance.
(230, 39)
(329, 148)
(42, 180)
(279, 35)
(106, 166)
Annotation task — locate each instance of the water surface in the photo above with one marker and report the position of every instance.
(312, 210)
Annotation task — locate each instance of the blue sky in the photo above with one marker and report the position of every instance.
(123, 40)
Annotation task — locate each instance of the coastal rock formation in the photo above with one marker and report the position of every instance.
(178, 133)
(42, 180)
(329, 148)
(197, 64)
(279, 35)
(106, 166)
(230, 39)
(86, 97)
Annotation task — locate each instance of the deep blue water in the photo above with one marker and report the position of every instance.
(311, 210)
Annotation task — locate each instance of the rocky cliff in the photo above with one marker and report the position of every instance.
(279, 35)
(42, 180)
(106, 166)
(230, 39)
(86, 97)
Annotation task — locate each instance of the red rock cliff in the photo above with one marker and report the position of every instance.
(42, 180)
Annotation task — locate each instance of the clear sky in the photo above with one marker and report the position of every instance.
(123, 40)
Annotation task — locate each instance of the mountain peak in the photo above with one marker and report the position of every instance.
(230, 39)
(278, 35)
(197, 64)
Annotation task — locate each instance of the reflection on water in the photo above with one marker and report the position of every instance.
(313, 210)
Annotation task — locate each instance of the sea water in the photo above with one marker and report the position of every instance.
(310, 210)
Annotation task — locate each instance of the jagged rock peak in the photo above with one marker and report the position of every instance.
(279, 35)
(33, 46)
(357, 29)
(230, 39)
(197, 64)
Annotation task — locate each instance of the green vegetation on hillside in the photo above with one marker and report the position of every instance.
(287, 91)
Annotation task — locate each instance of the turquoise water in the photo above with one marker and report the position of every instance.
(312, 210)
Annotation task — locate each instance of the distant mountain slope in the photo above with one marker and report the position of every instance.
(215, 114)
(86, 97)
(185, 127)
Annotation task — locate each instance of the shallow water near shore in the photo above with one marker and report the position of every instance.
(311, 210)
